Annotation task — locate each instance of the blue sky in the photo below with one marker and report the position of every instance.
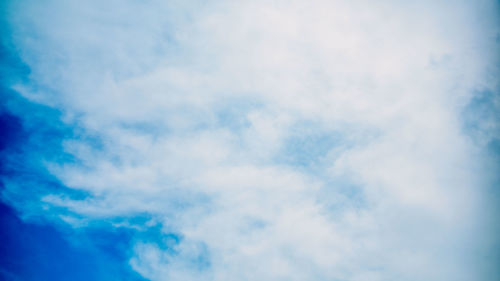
(249, 140)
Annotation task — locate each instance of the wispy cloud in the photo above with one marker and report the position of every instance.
(283, 140)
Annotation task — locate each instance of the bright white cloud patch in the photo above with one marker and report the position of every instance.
(282, 140)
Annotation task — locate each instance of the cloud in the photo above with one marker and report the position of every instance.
(278, 141)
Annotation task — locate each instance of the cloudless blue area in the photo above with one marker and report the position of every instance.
(42, 252)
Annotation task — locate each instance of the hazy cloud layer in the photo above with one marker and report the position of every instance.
(276, 140)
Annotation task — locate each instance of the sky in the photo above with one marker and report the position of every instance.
(148, 140)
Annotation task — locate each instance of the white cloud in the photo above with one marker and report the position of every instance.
(153, 81)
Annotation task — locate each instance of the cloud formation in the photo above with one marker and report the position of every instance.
(282, 140)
